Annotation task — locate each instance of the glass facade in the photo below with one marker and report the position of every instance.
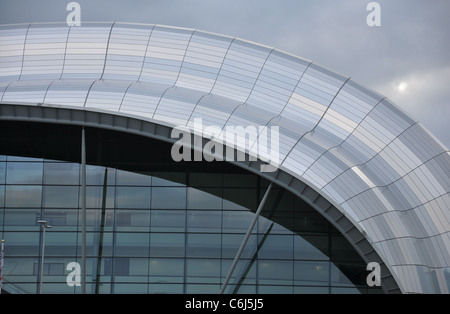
(154, 225)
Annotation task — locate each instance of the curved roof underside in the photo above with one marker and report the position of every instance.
(382, 170)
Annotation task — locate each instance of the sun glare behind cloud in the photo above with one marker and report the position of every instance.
(402, 87)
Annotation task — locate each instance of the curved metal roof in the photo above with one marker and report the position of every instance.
(381, 169)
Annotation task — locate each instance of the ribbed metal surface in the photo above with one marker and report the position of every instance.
(382, 170)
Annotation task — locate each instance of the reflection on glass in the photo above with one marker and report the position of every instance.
(166, 270)
(23, 196)
(21, 219)
(132, 244)
(239, 199)
(95, 175)
(348, 273)
(276, 245)
(168, 178)
(208, 198)
(23, 173)
(204, 221)
(61, 173)
(311, 273)
(203, 245)
(203, 270)
(232, 242)
(155, 234)
(2, 195)
(94, 197)
(131, 178)
(169, 197)
(314, 247)
(275, 272)
(168, 220)
(132, 219)
(133, 197)
(167, 245)
(2, 172)
(236, 221)
(61, 196)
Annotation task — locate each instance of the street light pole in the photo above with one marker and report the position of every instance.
(1, 264)
(44, 225)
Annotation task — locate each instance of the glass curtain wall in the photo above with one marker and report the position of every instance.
(154, 225)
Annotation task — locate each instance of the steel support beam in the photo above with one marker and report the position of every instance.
(244, 242)
(83, 211)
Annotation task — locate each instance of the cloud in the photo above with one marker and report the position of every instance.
(426, 98)
(410, 46)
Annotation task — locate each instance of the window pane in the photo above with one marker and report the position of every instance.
(311, 273)
(23, 196)
(167, 245)
(241, 199)
(169, 197)
(132, 220)
(132, 244)
(311, 247)
(23, 244)
(311, 290)
(2, 172)
(61, 196)
(275, 272)
(61, 173)
(121, 266)
(18, 219)
(348, 274)
(60, 243)
(131, 178)
(341, 250)
(95, 175)
(168, 220)
(2, 196)
(236, 221)
(166, 270)
(166, 288)
(203, 270)
(63, 219)
(203, 245)
(204, 221)
(133, 197)
(24, 172)
(19, 158)
(168, 178)
(308, 221)
(276, 246)
(94, 197)
(204, 199)
(232, 242)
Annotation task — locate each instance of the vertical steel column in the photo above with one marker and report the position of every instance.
(41, 276)
(2, 256)
(247, 236)
(83, 212)
(102, 231)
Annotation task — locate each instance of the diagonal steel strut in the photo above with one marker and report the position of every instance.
(244, 242)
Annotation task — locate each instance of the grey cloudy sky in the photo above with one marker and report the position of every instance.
(407, 58)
